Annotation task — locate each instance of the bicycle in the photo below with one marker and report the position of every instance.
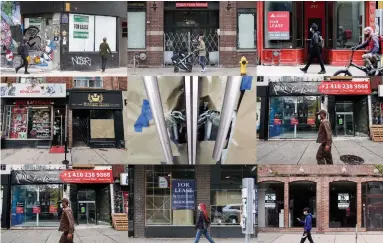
(135, 62)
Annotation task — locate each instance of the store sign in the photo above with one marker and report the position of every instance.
(87, 176)
(270, 199)
(100, 100)
(124, 179)
(345, 88)
(191, 5)
(380, 90)
(81, 26)
(183, 194)
(343, 200)
(163, 182)
(279, 25)
(293, 88)
(33, 102)
(16, 90)
(19, 208)
(36, 177)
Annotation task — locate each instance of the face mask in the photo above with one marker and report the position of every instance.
(311, 29)
(305, 213)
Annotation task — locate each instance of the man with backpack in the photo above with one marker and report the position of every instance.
(316, 46)
(373, 45)
(22, 50)
(307, 225)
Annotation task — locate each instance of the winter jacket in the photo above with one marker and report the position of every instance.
(104, 49)
(314, 43)
(201, 222)
(372, 45)
(325, 133)
(307, 222)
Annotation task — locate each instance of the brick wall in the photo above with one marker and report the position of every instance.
(139, 200)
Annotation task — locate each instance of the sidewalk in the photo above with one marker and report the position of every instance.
(109, 235)
(211, 71)
(75, 155)
(294, 71)
(122, 71)
(304, 151)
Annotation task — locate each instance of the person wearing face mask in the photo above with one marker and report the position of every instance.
(307, 225)
(325, 139)
(203, 224)
(315, 50)
(372, 44)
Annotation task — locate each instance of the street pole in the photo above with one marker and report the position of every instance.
(248, 207)
(356, 233)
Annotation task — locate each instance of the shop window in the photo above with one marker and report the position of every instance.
(302, 194)
(170, 196)
(31, 80)
(28, 122)
(136, 30)
(246, 28)
(81, 33)
(294, 116)
(102, 124)
(350, 22)
(106, 26)
(343, 205)
(28, 199)
(372, 202)
(226, 194)
(87, 82)
(271, 204)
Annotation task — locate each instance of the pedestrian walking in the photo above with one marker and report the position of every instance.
(22, 50)
(325, 139)
(203, 224)
(307, 225)
(315, 49)
(104, 51)
(202, 53)
(66, 223)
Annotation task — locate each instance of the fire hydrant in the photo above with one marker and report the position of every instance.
(243, 63)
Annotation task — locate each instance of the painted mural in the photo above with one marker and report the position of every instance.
(10, 16)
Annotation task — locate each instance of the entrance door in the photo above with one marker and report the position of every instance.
(315, 12)
(80, 128)
(59, 127)
(87, 212)
(345, 124)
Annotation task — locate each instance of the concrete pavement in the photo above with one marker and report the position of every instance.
(81, 155)
(211, 71)
(304, 151)
(109, 235)
(121, 71)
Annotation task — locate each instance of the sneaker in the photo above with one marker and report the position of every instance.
(26, 73)
(303, 70)
(203, 70)
(322, 72)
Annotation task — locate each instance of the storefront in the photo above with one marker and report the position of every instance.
(5, 196)
(97, 119)
(338, 201)
(168, 196)
(262, 107)
(33, 114)
(377, 106)
(284, 36)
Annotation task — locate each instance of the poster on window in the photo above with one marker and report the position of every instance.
(270, 199)
(343, 200)
(81, 26)
(183, 194)
(19, 207)
(278, 25)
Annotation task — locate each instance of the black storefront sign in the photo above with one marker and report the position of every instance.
(36, 177)
(96, 100)
(293, 88)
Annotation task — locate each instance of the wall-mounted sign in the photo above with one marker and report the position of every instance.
(95, 100)
(192, 5)
(380, 90)
(345, 88)
(293, 88)
(36, 177)
(278, 25)
(183, 194)
(80, 26)
(270, 199)
(343, 200)
(163, 182)
(124, 179)
(87, 176)
(15, 90)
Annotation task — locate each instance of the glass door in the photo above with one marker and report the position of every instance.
(86, 212)
(345, 124)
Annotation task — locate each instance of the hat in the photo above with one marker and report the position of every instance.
(322, 112)
(306, 210)
(314, 26)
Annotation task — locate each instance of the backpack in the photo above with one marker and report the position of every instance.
(20, 49)
(321, 41)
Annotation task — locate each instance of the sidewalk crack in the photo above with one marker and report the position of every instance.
(101, 157)
(11, 154)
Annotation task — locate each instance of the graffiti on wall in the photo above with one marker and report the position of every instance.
(10, 17)
(79, 60)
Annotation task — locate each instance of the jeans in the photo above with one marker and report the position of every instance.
(202, 61)
(103, 61)
(205, 233)
(307, 235)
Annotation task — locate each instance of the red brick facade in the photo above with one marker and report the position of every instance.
(322, 176)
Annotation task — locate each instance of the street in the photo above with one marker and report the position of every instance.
(83, 155)
(109, 235)
(121, 71)
(304, 151)
(210, 71)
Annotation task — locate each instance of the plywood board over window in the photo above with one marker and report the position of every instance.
(102, 128)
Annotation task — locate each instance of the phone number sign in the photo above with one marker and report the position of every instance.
(345, 88)
(87, 176)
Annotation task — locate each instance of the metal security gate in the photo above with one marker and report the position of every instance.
(173, 42)
(80, 129)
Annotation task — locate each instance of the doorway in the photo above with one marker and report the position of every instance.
(344, 124)
(86, 212)
(59, 127)
(372, 201)
(80, 128)
(343, 205)
(315, 12)
(302, 194)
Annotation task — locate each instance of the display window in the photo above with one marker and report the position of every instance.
(372, 201)
(302, 194)
(28, 122)
(343, 204)
(272, 196)
(294, 116)
(170, 197)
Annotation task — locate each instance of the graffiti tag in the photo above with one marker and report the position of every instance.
(34, 41)
(81, 61)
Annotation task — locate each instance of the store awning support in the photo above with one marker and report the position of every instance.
(153, 93)
(230, 99)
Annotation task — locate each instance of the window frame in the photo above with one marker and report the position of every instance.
(87, 79)
(252, 11)
(145, 14)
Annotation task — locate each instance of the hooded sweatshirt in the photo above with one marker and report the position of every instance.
(308, 222)
(315, 37)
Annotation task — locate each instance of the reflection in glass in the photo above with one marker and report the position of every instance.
(226, 207)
